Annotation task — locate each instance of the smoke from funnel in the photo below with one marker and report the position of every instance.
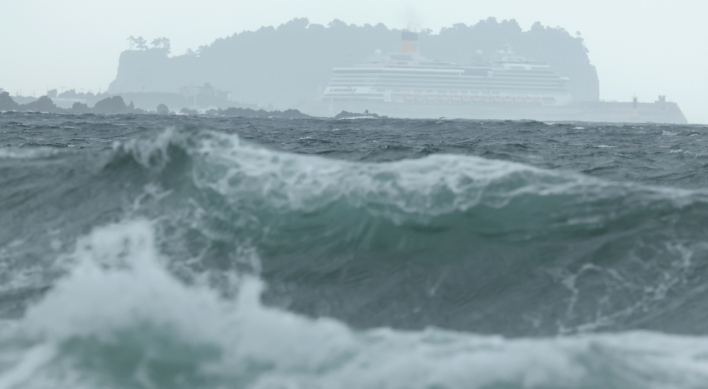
(413, 20)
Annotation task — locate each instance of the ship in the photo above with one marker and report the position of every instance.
(503, 85)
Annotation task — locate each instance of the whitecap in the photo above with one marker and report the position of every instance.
(28, 153)
(121, 320)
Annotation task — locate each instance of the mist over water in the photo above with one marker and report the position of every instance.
(201, 252)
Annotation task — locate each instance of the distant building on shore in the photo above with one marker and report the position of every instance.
(205, 91)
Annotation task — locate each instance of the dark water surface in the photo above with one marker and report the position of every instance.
(201, 252)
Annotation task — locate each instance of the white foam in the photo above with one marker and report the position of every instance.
(358, 117)
(33, 153)
(304, 182)
(144, 150)
(419, 188)
(119, 287)
(117, 280)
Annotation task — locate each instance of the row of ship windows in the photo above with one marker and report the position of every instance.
(457, 72)
(414, 83)
(438, 85)
(487, 98)
(452, 91)
(444, 92)
(442, 71)
(447, 77)
(441, 88)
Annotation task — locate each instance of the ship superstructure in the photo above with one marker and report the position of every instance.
(408, 78)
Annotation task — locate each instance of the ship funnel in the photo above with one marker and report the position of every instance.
(409, 42)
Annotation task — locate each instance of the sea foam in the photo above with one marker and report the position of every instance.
(120, 320)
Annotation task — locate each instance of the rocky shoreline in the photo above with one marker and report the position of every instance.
(115, 105)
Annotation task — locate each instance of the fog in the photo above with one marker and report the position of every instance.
(644, 47)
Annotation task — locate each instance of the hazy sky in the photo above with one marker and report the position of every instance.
(647, 47)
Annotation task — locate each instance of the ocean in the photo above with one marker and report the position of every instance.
(145, 251)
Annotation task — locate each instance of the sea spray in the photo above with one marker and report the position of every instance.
(397, 254)
(460, 242)
(119, 319)
(409, 242)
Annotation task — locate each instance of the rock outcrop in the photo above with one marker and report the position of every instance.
(80, 108)
(111, 105)
(354, 115)
(43, 104)
(251, 113)
(7, 103)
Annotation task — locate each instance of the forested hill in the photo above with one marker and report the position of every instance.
(293, 62)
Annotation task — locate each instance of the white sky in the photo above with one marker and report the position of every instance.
(647, 47)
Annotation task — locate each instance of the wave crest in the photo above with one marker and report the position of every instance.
(121, 320)
(461, 242)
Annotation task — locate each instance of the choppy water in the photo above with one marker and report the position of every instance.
(184, 252)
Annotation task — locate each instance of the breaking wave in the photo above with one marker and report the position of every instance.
(120, 320)
(193, 259)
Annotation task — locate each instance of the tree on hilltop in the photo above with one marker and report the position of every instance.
(142, 43)
(139, 43)
(161, 44)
